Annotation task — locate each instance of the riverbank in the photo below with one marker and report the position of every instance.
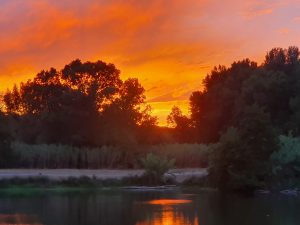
(85, 176)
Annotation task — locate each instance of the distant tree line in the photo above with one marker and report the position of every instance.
(248, 113)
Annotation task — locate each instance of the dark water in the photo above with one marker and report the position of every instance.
(148, 208)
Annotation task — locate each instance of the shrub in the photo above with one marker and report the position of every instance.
(156, 167)
(241, 162)
(286, 161)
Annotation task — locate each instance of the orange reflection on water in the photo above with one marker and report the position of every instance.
(168, 201)
(169, 215)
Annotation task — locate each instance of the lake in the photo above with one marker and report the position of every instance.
(120, 207)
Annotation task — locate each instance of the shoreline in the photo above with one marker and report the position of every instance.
(94, 177)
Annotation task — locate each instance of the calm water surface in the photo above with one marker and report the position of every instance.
(177, 207)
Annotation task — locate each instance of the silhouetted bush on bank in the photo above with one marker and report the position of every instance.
(155, 167)
(286, 163)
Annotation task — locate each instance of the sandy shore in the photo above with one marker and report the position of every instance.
(180, 175)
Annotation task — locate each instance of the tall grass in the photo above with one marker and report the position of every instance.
(186, 155)
(63, 156)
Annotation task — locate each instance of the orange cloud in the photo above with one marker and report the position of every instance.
(284, 31)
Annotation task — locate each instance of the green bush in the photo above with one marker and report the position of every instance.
(156, 166)
(286, 162)
(241, 161)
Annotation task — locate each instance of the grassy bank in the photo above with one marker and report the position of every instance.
(72, 182)
(43, 183)
(13, 184)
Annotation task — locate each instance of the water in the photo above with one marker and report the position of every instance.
(178, 207)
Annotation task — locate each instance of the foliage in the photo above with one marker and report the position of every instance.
(182, 128)
(243, 108)
(239, 113)
(156, 166)
(76, 104)
(274, 85)
(241, 158)
(7, 156)
(286, 161)
(63, 156)
(214, 108)
(282, 59)
(185, 155)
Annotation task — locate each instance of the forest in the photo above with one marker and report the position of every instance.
(243, 124)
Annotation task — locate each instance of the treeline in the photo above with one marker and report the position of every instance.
(246, 113)
(84, 104)
(83, 116)
(245, 108)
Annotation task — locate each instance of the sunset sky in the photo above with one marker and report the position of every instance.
(169, 45)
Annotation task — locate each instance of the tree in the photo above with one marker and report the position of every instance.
(279, 59)
(292, 55)
(97, 80)
(76, 104)
(275, 59)
(181, 124)
(213, 108)
(268, 89)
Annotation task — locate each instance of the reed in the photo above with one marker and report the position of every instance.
(65, 156)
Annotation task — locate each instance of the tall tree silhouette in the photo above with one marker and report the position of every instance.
(80, 104)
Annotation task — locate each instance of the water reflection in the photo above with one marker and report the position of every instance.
(168, 212)
(166, 202)
(18, 219)
(114, 207)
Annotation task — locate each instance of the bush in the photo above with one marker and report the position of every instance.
(286, 161)
(241, 161)
(156, 167)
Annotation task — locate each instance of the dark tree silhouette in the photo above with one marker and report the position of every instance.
(84, 103)
(181, 124)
